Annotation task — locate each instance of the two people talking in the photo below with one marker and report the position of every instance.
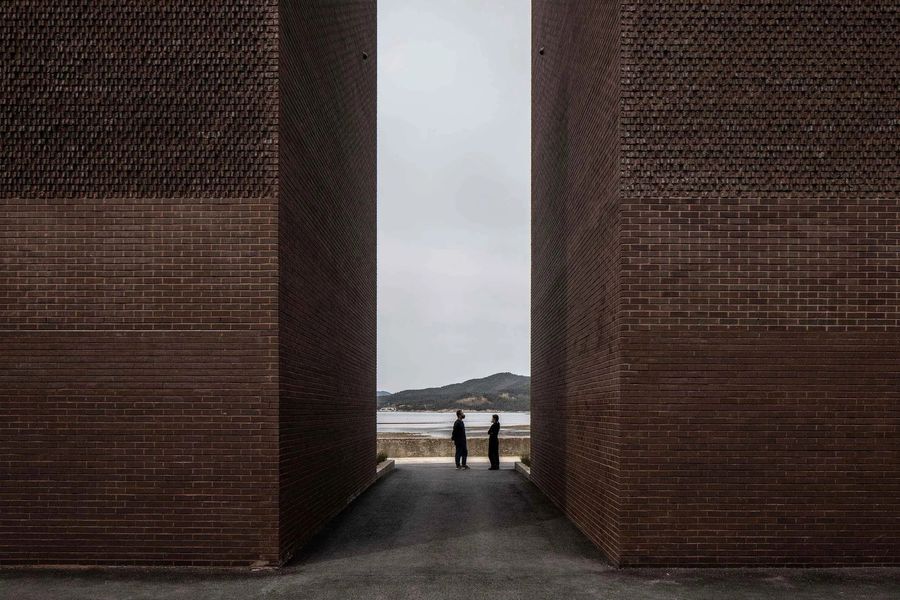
(462, 451)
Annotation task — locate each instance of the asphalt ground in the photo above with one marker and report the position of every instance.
(428, 531)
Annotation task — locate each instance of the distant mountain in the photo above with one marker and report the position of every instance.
(501, 391)
(381, 394)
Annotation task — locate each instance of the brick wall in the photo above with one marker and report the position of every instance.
(576, 354)
(758, 309)
(327, 269)
(156, 281)
(125, 99)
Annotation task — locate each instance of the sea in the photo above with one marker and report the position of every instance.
(439, 424)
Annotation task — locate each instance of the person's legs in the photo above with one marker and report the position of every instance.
(458, 455)
(464, 453)
(494, 453)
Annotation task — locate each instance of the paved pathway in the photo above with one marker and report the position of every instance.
(427, 531)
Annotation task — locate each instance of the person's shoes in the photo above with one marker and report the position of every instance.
(458, 467)
(465, 466)
(494, 469)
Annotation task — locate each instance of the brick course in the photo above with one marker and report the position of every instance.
(173, 309)
(736, 391)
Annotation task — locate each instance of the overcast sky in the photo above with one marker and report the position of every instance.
(454, 103)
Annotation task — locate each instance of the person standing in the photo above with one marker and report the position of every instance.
(459, 439)
(494, 443)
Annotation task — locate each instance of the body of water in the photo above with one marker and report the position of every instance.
(440, 424)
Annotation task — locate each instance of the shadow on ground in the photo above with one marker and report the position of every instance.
(430, 532)
(451, 517)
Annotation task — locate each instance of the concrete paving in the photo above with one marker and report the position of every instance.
(428, 531)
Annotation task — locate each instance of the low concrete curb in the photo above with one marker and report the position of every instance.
(524, 470)
(416, 447)
(448, 460)
(383, 468)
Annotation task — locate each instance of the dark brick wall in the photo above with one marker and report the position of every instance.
(761, 447)
(327, 268)
(126, 98)
(164, 262)
(138, 448)
(782, 98)
(138, 381)
(759, 304)
(139, 328)
(576, 355)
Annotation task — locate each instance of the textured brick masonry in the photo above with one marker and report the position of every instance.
(187, 300)
(716, 278)
(187, 313)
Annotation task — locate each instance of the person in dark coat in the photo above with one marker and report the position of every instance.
(459, 438)
(494, 443)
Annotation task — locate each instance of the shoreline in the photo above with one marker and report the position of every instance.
(437, 425)
(450, 410)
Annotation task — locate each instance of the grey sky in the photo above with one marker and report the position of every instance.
(454, 102)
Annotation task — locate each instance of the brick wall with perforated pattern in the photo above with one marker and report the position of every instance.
(758, 210)
(143, 305)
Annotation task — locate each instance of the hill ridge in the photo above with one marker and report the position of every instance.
(499, 391)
